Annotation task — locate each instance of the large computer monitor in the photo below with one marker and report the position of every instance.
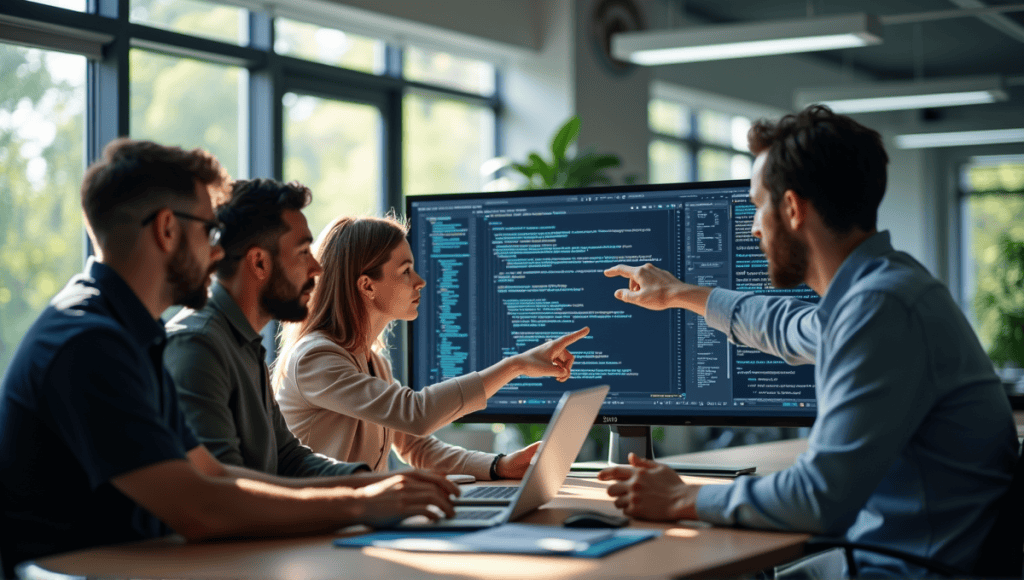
(506, 271)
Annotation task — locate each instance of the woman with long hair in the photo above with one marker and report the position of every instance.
(334, 383)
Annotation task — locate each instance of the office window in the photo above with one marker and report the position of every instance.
(445, 144)
(993, 227)
(334, 148)
(714, 127)
(739, 126)
(670, 162)
(356, 136)
(669, 118)
(441, 68)
(328, 46)
(42, 139)
(701, 144)
(185, 102)
(192, 17)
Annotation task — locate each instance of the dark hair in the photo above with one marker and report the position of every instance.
(830, 160)
(134, 177)
(252, 217)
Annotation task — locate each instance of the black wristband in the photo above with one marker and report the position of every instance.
(494, 466)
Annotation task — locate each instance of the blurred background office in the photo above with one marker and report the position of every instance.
(365, 101)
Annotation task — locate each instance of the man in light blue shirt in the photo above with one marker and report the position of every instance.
(914, 440)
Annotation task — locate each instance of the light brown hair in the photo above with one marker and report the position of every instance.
(348, 248)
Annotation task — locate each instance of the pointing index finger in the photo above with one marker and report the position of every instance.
(572, 337)
(620, 270)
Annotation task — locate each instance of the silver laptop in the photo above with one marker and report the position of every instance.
(573, 417)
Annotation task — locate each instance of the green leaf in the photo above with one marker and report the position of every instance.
(526, 170)
(565, 136)
(542, 169)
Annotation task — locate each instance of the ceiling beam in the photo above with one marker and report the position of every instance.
(1000, 22)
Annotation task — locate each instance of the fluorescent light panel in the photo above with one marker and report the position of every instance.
(906, 95)
(720, 42)
(959, 138)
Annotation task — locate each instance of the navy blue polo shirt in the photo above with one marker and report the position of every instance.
(85, 399)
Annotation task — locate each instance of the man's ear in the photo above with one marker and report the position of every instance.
(165, 230)
(794, 209)
(258, 261)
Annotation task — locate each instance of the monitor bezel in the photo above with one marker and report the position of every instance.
(602, 419)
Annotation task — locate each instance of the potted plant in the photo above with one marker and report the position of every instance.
(562, 169)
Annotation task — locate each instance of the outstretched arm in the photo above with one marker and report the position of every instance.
(655, 289)
(776, 325)
(550, 359)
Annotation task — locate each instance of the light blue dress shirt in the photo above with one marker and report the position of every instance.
(914, 438)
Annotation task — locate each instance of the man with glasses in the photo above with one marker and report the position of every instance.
(93, 447)
(215, 354)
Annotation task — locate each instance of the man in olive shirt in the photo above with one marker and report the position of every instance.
(215, 354)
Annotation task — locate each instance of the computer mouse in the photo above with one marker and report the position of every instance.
(595, 520)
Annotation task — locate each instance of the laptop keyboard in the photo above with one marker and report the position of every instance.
(476, 514)
(492, 492)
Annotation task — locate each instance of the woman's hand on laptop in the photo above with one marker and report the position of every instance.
(514, 465)
(406, 494)
(648, 490)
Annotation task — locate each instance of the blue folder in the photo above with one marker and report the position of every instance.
(508, 539)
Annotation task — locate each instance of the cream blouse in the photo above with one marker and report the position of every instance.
(334, 405)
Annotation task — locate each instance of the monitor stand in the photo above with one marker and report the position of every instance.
(626, 439)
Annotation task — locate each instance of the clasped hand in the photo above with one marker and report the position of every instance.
(648, 490)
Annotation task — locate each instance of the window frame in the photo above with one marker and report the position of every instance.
(696, 100)
(105, 35)
(693, 141)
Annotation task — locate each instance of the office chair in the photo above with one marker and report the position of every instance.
(1001, 554)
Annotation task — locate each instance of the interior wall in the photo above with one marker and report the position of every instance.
(539, 91)
(611, 103)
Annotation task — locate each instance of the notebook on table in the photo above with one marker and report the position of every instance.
(571, 422)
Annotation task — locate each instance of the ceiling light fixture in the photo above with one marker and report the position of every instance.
(905, 95)
(724, 41)
(959, 138)
(743, 40)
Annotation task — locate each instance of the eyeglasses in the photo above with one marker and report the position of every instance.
(214, 228)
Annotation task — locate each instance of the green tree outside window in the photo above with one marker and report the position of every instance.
(42, 137)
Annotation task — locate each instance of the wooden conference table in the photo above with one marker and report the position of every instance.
(681, 551)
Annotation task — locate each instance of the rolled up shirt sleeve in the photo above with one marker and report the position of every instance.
(784, 327)
(870, 403)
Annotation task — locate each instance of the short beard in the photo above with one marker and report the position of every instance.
(787, 267)
(279, 299)
(186, 278)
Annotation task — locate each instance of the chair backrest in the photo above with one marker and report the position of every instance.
(1002, 553)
